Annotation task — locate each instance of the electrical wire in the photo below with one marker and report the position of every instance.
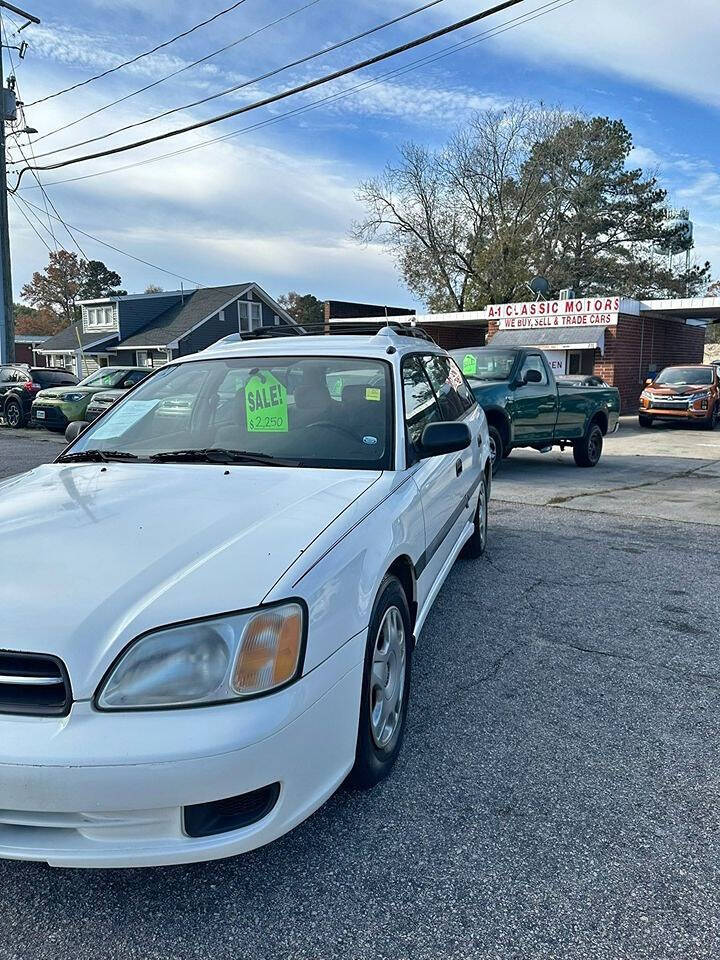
(283, 95)
(175, 73)
(124, 253)
(248, 83)
(549, 7)
(32, 226)
(140, 56)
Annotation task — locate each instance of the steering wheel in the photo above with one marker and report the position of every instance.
(329, 425)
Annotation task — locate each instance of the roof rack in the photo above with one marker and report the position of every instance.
(365, 328)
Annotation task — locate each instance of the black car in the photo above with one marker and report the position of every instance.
(19, 384)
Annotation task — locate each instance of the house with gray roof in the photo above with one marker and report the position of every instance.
(150, 329)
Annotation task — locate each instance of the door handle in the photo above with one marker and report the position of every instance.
(458, 467)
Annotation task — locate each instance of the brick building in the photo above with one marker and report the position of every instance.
(622, 340)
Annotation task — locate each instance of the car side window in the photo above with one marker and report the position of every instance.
(420, 404)
(445, 381)
(533, 362)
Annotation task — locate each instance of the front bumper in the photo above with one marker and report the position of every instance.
(681, 413)
(48, 415)
(108, 789)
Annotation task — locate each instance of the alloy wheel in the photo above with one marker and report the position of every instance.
(12, 415)
(387, 679)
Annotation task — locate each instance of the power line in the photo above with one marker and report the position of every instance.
(140, 56)
(248, 83)
(176, 73)
(549, 7)
(29, 222)
(283, 95)
(124, 253)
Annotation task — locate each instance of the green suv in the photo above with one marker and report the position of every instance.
(57, 407)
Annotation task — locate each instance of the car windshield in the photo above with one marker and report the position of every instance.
(109, 377)
(685, 377)
(305, 411)
(481, 364)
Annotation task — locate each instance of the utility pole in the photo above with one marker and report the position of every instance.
(8, 112)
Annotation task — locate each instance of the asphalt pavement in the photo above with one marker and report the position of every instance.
(557, 795)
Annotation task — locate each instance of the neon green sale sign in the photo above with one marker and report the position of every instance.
(266, 406)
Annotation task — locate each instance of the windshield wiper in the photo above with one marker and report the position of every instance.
(96, 456)
(222, 455)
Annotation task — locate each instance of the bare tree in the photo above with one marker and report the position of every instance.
(516, 192)
(458, 220)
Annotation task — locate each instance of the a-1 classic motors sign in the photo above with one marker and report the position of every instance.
(588, 312)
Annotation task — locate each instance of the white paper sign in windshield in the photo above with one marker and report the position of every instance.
(124, 417)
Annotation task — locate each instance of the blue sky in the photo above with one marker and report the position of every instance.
(275, 205)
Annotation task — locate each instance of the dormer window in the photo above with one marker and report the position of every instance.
(99, 318)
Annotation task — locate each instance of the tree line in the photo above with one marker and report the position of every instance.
(519, 192)
(53, 293)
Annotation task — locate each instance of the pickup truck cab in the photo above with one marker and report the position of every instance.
(525, 405)
(269, 523)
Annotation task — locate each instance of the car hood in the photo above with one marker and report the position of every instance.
(108, 396)
(680, 391)
(97, 554)
(55, 393)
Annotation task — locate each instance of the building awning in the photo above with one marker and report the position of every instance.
(554, 338)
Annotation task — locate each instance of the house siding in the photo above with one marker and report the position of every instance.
(220, 325)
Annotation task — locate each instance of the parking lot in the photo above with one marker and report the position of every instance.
(558, 792)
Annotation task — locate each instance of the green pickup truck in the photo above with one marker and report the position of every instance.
(526, 406)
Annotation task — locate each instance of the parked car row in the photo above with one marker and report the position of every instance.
(53, 398)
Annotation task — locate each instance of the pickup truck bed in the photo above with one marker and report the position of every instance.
(527, 407)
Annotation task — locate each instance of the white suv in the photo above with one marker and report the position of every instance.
(216, 592)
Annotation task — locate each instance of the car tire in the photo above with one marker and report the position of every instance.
(645, 421)
(14, 416)
(475, 546)
(497, 449)
(388, 657)
(588, 450)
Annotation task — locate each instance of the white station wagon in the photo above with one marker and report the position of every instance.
(216, 591)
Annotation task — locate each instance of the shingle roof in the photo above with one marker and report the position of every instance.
(67, 339)
(180, 318)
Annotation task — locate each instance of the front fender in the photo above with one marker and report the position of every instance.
(340, 574)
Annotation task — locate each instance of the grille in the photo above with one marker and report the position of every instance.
(33, 683)
(670, 403)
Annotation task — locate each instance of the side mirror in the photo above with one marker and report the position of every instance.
(446, 437)
(533, 376)
(74, 429)
(648, 381)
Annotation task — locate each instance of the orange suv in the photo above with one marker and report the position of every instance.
(682, 393)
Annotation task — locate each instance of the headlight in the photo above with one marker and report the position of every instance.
(645, 395)
(209, 661)
(72, 397)
(705, 395)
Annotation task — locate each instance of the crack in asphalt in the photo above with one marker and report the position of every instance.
(556, 501)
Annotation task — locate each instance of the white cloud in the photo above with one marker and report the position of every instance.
(658, 43)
